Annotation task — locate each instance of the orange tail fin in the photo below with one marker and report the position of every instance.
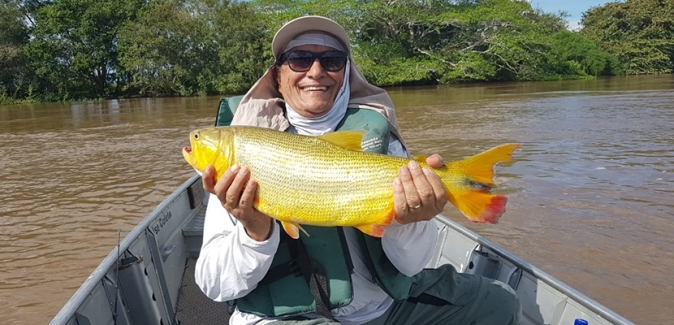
(472, 195)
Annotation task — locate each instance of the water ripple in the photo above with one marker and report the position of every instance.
(589, 192)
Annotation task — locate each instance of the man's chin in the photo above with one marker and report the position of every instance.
(316, 109)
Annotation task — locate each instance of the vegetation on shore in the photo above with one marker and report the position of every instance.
(76, 49)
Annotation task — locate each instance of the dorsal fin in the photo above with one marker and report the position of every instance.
(420, 158)
(346, 139)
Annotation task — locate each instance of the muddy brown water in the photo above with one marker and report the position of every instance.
(591, 193)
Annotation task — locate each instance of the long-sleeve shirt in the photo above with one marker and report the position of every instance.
(231, 264)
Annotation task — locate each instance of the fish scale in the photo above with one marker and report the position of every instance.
(329, 181)
(296, 185)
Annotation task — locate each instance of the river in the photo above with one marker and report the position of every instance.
(591, 192)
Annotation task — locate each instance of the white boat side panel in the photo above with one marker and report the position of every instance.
(165, 233)
(541, 303)
(452, 248)
(140, 247)
(97, 309)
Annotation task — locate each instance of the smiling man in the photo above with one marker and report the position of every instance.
(338, 275)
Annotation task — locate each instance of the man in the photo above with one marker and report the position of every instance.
(315, 88)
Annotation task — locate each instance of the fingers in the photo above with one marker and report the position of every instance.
(418, 193)
(399, 200)
(208, 179)
(248, 196)
(435, 161)
(409, 186)
(424, 190)
(220, 188)
(236, 192)
(440, 195)
(406, 200)
(235, 189)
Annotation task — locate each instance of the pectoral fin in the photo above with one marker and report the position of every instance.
(292, 229)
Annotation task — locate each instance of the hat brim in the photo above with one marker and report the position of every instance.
(305, 24)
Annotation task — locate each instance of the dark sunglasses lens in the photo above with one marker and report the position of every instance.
(301, 61)
(333, 63)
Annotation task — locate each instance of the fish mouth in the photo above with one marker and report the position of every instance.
(187, 154)
(189, 157)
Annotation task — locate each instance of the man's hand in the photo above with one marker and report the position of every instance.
(236, 192)
(418, 193)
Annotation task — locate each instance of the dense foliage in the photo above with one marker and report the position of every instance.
(68, 49)
(640, 33)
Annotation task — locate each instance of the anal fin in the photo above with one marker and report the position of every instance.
(377, 229)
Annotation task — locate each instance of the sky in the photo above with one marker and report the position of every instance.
(574, 8)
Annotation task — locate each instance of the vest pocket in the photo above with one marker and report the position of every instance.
(291, 295)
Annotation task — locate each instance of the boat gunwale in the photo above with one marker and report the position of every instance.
(555, 283)
(70, 308)
(75, 302)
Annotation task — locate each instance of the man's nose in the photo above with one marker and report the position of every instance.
(316, 68)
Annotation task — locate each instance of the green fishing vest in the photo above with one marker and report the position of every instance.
(284, 290)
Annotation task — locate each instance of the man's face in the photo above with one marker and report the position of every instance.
(311, 93)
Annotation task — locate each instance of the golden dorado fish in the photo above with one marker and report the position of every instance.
(329, 181)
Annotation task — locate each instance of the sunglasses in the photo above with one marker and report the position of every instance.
(301, 61)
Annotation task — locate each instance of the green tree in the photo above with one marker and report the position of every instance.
(178, 47)
(573, 54)
(163, 50)
(406, 41)
(640, 33)
(65, 49)
(74, 49)
(14, 77)
(244, 53)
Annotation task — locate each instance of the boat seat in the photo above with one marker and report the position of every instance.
(226, 109)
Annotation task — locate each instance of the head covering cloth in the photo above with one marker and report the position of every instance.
(263, 104)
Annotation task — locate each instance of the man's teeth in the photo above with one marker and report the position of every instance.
(316, 88)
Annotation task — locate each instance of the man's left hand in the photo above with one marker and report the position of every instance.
(418, 193)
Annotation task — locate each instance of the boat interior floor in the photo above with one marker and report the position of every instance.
(193, 306)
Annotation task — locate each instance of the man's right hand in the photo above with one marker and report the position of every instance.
(236, 192)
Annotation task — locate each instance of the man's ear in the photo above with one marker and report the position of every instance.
(275, 76)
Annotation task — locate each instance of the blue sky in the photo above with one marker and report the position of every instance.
(575, 8)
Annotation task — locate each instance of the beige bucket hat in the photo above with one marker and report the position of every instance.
(305, 24)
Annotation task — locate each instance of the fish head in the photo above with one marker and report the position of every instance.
(210, 146)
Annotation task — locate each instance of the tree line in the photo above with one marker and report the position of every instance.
(77, 49)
